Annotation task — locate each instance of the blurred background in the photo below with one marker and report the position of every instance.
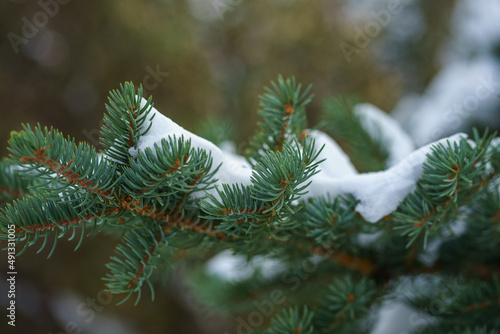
(435, 65)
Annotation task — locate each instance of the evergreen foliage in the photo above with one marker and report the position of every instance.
(344, 124)
(332, 280)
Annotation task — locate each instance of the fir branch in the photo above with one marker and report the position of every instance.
(329, 220)
(125, 122)
(66, 167)
(38, 217)
(173, 166)
(12, 184)
(453, 176)
(292, 321)
(132, 265)
(364, 266)
(237, 210)
(366, 153)
(283, 111)
(347, 299)
(281, 177)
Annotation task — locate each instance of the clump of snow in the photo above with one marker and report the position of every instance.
(461, 92)
(475, 28)
(380, 126)
(382, 192)
(337, 163)
(379, 193)
(229, 267)
(233, 169)
(397, 317)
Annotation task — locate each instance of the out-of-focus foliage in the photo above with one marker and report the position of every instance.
(207, 64)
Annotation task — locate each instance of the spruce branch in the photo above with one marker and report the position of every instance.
(37, 217)
(453, 177)
(367, 153)
(133, 263)
(480, 241)
(125, 122)
(365, 266)
(292, 321)
(12, 184)
(136, 257)
(237, 210)
(157, 186)
(329, 220)
(66, 167)
(472, 301)
(282, 108)
(279, 179)
(282, 177)
(173, 167)
(346, 299)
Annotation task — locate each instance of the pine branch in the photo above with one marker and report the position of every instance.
(12, 184)
(346, 300)
(466, 302)
(65, 167)
(283, 109)
(281, 177)
(366, 153)
(292, 321)
(453, 176)
(132, 265)
(173, 167)
(125, 122)
(237, 210)
(278, 179)
(37, 217)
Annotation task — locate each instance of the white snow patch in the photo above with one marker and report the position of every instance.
(380, 126)
(337, 163)
(398, 318)
(233, 168)
(229, 267)
(463, 91)
(366, 239)
(382, 192)
(475, 28)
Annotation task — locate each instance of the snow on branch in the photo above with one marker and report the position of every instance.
(379, 193)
